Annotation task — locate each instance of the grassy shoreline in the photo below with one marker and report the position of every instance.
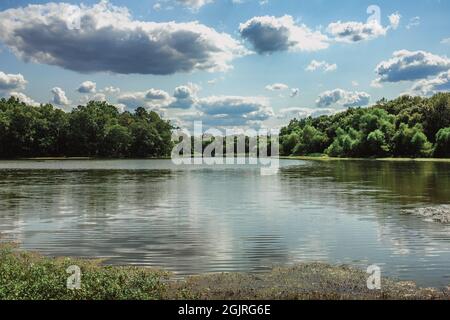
(326, 158)
(30, 276)
(315, 158)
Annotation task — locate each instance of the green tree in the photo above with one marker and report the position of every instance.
(442, 148)
(411, 142)
(376, 143)
(310, 141)
(346, 144)
(289, 142)
(117, 141)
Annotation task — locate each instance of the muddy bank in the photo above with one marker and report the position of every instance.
(301, 282)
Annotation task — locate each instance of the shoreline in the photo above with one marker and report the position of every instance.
(324, 158)
(306, 158)
(28, 275)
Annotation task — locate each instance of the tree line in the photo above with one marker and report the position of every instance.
(97, 129)
(403, 127)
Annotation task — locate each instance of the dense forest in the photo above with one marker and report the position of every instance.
(404, 127)
(95, 130)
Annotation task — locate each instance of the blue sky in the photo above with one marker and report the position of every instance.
(244, 63)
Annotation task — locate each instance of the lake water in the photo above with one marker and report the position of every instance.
(231, 218)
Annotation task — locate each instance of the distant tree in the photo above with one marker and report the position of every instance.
(403, 127)
(310, 141)
(442, 148)
(346, 144)
(376, 143)
(96, 129)
(117, 141)
(411, 142)
(437, 114)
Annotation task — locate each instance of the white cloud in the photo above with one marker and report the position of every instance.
(194, 4)
(431, 86)
(268, 34)
(301, 113)
(152, 98)
(156, 94)
(323, 65)
(277, 87)
(87, 87)
(410, 65)
(104, 37)
(185, 97)
(445, 41)
(25, 99)
(10, 82)
(59, 97)
(111, 90)
(344, 98)
(98, 97)
(352, 31)
(233, 110)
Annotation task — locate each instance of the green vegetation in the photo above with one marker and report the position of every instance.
(404, 127)
(28, 276)
(95, 130)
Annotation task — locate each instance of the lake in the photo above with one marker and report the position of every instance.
(198, 219)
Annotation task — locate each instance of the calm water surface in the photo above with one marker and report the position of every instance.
(208, 219)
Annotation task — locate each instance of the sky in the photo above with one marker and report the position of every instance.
(228, 63)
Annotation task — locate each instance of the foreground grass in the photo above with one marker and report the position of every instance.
(25, 275)
(29, 276)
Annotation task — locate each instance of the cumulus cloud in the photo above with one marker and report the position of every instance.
(410, 65)
(111, 90)
(24, 98)
(105, 38)
(428, 87)
(321, 65)
(301, 113)
(87, 87)
(344, 98)
(185, 97)
(98, 97)
(352, 31)
(277, 87)
(281, 87)
(269, 34)
(194, 4)
(233, 110)
(152, 98)
(10, 82)
(156, 94)
(59, 97)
